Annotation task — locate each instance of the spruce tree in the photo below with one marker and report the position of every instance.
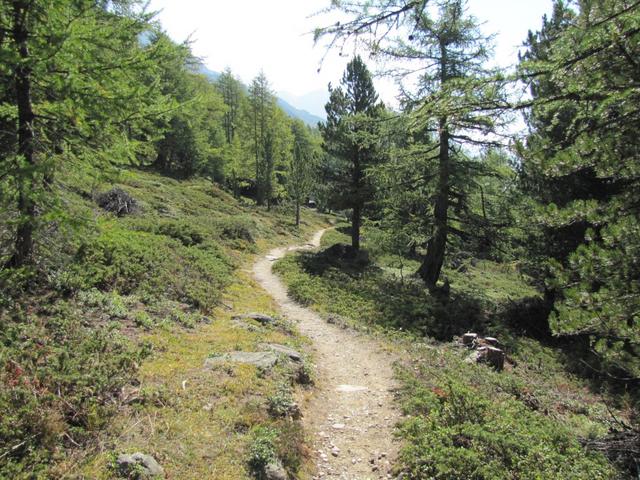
(590, 163)
(350, 136)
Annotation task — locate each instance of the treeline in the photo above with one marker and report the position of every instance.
(100, 83)
(443, 179)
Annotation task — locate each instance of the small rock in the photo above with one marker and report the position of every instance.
(263, 360)
(338, 426)
(335, 451)
(258, 317)
(275, 471)
(139, 466)
(469, 338)
(283, 349)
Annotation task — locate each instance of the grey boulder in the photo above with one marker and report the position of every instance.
(258, 317)
(139, 466)
(275, 471)
(283, 349)
(262, 360)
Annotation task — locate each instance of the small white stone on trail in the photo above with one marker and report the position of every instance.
(271, 258)
(338, 426)
(350, 388)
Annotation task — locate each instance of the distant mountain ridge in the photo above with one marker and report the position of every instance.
(312, 102)
(308, 118)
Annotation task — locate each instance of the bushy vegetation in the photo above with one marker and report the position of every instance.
(61, 376)
(457, 431)
(536, 240)
(75, 335)
(465, 420)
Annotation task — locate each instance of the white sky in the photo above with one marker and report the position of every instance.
(249, 35)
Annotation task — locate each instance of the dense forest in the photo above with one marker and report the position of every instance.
(133, 188)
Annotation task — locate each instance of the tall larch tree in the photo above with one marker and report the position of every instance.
(65, 94)
(261, 111)
(302, 169)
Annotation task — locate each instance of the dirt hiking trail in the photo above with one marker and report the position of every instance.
(350, 413)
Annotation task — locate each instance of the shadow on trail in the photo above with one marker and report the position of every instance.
(363, 290)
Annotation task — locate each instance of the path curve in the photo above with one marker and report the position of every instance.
(350, 414)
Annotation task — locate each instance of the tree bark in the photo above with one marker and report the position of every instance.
(356, 219)
(24, 244)
(355, 227)
(431, 266)
(297, 212)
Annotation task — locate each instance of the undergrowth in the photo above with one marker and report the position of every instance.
(98, 336)
(464, 420)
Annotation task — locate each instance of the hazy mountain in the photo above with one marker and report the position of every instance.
(308, 118)
(293, 109)
(312, 102)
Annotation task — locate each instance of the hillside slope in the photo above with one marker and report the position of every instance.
(104, 354)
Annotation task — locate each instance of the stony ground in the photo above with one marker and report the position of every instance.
(350, 414)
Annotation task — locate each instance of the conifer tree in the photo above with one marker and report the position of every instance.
(262, 107)
(458, 100)
(231, 91)
(66, 94)
(302, 167)
(588, 166)
(350, 136)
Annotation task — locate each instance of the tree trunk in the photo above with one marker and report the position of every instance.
(356, 219)
(297, 212)
(161, 160)
(431, 266)
(24, 245)
(355, 227)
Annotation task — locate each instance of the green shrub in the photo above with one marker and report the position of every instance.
(262, 450)
(142, 319)
(465, 435)
(281, 404)
(150, 265)
(59, 379)
(183, 231)
(237, 228)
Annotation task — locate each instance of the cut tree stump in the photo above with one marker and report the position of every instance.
(469, 338)
(495, 357)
